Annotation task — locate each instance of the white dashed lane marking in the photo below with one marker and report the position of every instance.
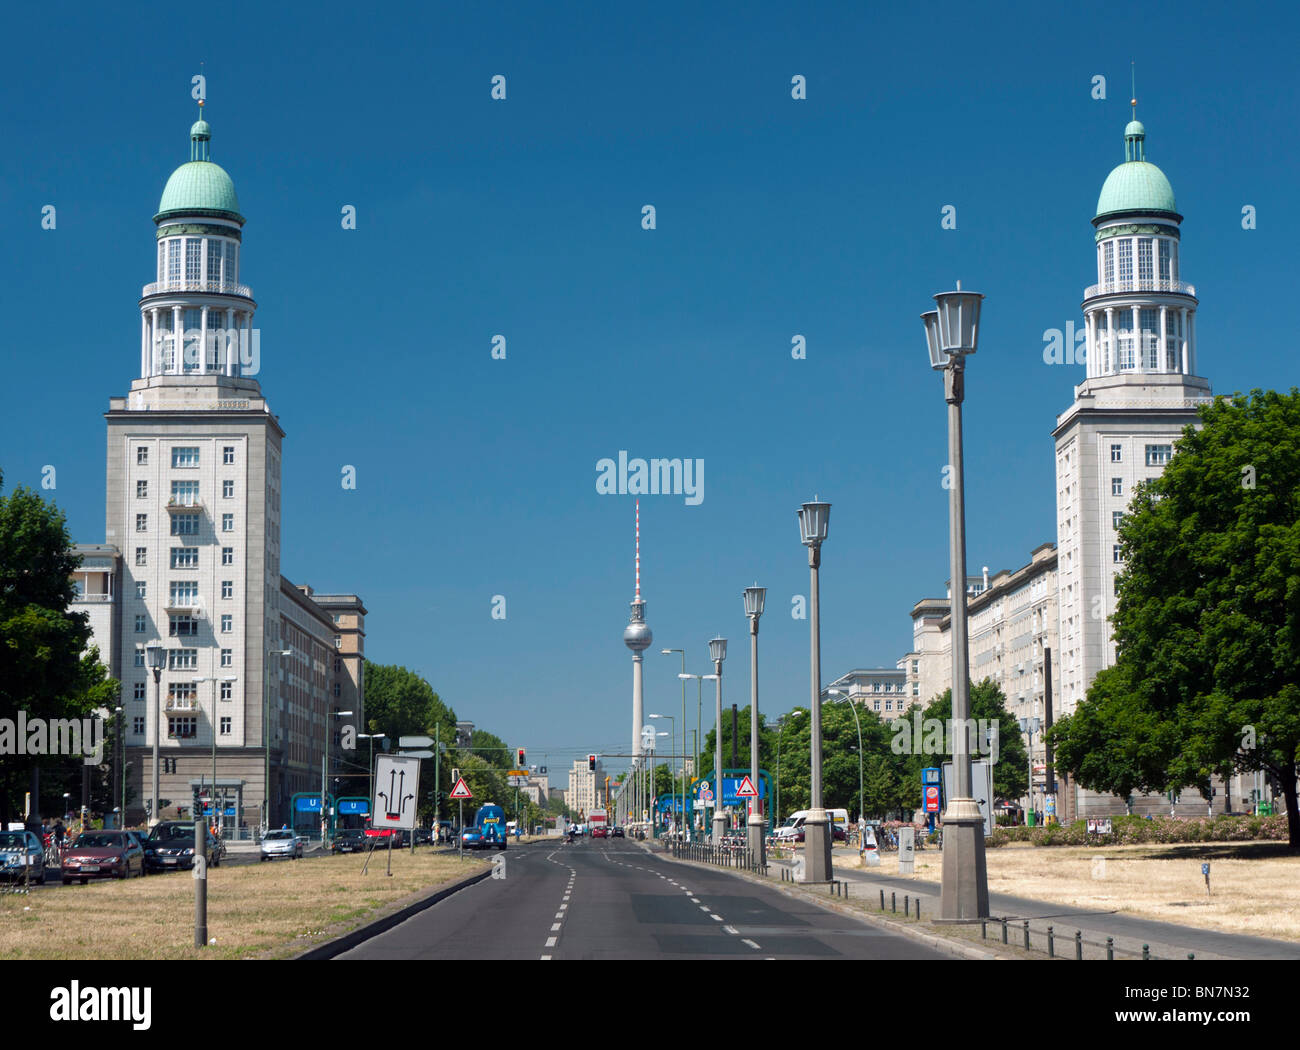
(749, 942)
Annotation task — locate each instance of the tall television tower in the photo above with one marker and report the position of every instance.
(637, 636)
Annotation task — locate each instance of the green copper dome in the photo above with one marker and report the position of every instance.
(1137, 184)
(199, 186)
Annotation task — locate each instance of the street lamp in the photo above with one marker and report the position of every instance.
(952, 332)
(155, 657)
(1029, 726)
(780, 729)
(669, 652)
(754, 600)
(814, 519)
(718, 653)
(674, 742)
(372, 737)
(121, 766)
(266, 735)
(324, 769)
(848, 698)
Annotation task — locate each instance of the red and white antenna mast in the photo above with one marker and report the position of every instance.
(638, 550)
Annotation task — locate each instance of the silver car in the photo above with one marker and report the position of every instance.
(281, 843)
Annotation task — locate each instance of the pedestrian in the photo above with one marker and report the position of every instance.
(59, 832)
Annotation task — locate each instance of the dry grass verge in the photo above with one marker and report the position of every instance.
(254, 911)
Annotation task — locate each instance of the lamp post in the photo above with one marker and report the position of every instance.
(668, 652)
(155, 657)
(674, 743)
(780, 729)
(372, 737)
(952, 332)
(266, 735)
(718, 653)
(121, 768)
(814, 518)
(848, 699)
(754, 601)
(324, 770)
(1029, 726)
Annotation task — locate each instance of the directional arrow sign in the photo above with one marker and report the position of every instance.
(416, 754)
(460, 790)
(397, 785)
(415, 741)
(746, 789)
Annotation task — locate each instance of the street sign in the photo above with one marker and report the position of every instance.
(516, 782)
(746, 789)
(704, 785)
(415, 741)
(518, 773)
(460, 790)
(707, 795)
(397, 786)
(931, 799)
(416, 754)
(981, 776)
(930, 775)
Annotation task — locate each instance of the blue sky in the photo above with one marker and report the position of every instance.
(775, 217)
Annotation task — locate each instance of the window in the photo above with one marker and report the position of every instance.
(1126, 261)
(227, 555)
(1173, 340)
(214, 261)
(138, 691)
(183, 691)
(185, 456)
(141, 589)
(338, 641)
(182, 728)
(875, 705)
(1149, 321)
(182, 626)
(142, 523)
(1117, 486)
(1165, 270)
(227, 655)
(227, 690)
(1144, 260)
(227, 489)
(1103, 342)
(185, 524)
(1115, 555)
(225, 725)
(227, 523)
(338, 665)
(142, 490)
(227, 623)
(142, 455)
(336, 689)
(137, 726)
(185, 557)
(1159, 455)
(1108, 262)
(889, 705)
(227, 589)
(182, 659)
(185, 493)
(139, 656)
(193, 260)
(174, 261)
(232, 272)
(141, 556)
(1126, 336)
(140, 624)
(916, 688)
(184, 592)
(916, 667)
(1117, 453)
(1116, 517)
(228, 455)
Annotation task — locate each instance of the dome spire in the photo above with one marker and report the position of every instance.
(1135, 134)
(200, 136)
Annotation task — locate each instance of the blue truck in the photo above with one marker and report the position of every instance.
(491, 821)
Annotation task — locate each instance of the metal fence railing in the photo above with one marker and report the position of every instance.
(724, 856)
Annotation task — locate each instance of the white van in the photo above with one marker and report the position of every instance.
(794, 824)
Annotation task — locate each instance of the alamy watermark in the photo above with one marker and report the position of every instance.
(53, 736)
(655, 477)
(936, 736)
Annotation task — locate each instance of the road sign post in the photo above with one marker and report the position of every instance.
(460, 793)
(200, 874)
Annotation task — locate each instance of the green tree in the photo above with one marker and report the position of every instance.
(401, 703)
(1207, 623)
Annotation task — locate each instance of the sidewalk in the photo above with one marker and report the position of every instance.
(1166, 940)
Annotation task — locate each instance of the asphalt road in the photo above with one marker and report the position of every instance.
(612, 900)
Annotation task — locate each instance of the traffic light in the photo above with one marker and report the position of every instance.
(521, 758)
(591, 763)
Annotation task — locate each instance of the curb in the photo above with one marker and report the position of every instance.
(929, 939)
(350, 940)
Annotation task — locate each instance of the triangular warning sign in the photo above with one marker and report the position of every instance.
(746, 789)
(460, 790)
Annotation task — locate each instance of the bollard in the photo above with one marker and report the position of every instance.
(1051, 943)
(1026, 935)
(984, 929)
(893, 902)
(846, 890)
(1146, 952)
(1110, 949)
(918, 909)
(1004, 931)
(907, 905)
(882, 900)
(1078, 945)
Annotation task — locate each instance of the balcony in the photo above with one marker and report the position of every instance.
(93, 598)
(182, 705)
(212, 287)
(185, 605)
(1117, 287)
(184, 504)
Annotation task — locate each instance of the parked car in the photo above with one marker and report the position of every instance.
(423, 836)
(21, 853)
(349, 840)
(281, 842)
(616, 832)
(171, 845)
(102, 855)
